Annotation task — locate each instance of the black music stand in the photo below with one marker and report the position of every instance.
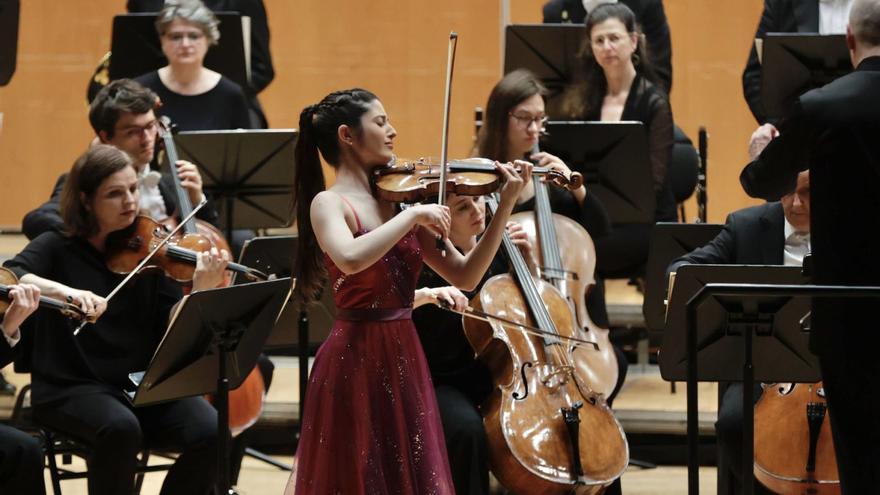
(613, 158)
(135, 47)
(247, 174)
(9, 15)
(297, 330)
(211, 345)
(549, 51)
(792, 64)
(747, 337)
(669, 241)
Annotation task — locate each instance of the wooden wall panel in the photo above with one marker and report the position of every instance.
(397, 49)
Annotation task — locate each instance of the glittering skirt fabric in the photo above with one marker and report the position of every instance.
(371, 424)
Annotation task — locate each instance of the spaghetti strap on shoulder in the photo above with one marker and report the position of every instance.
(356, 218)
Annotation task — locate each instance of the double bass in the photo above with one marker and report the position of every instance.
(548, 431)
(568, 262)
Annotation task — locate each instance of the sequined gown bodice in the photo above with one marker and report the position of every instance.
(388, 283)
(371, 424)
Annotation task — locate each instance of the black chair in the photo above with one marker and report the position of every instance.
(56, 443)
(684, 169)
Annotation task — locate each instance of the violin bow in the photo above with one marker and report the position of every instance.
(144, 261)
(444, 138)
(470, 312)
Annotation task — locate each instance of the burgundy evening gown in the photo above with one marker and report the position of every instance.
(371, 424)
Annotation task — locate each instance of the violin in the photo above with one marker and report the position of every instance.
(794, 451)
(548, 431)
(177, 258)
(411, 181)
(8, 279)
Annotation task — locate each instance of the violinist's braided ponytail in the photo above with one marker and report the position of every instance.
(318, 125)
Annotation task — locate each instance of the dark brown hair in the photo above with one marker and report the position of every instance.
(511, 90)
(318, 126)
(586, 95)
(121, 95)
(86, 175)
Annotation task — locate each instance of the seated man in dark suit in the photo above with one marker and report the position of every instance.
(790, 16)
(650, 16)
(776, 233)
(122, 116)
(21, 456)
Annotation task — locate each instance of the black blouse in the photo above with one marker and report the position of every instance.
(122, 341)
(648, 104)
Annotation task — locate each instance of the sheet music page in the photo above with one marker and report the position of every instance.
(759, 47)
(246, 35)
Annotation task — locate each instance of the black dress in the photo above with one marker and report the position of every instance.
(78, 381)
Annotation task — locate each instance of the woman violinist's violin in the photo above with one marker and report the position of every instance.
(404, 181)
(8, 279)
(177, 258)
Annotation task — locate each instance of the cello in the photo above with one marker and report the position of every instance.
(548, 431)
(246, 401)
(568, 262)
(794, 451)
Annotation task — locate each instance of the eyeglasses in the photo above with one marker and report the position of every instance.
(178, 37)
(525, 120)
(133, 131)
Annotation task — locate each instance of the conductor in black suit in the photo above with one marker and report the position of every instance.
(776, 233)
(836, 131)
(790, 16)
(650, 16)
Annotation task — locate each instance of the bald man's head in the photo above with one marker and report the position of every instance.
(864, 21)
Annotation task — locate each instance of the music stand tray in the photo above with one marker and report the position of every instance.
(275, 255)
(669, 241)
(136, 48)
(247, 173)
(211, 344)
(549, 51)
(720, 342)
(613, 158)
(793, 64)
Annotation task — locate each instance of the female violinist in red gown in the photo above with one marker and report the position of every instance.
(370, 422)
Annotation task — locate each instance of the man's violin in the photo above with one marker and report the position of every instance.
(8, 279)
(408, 181)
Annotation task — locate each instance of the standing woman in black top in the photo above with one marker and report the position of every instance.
(618, 83)
(78, 381)
(194, 97)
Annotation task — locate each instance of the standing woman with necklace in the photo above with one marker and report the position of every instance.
(370, 422)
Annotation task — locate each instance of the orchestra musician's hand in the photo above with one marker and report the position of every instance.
(191, 180)
(210, 269)
(24, 300)
(514, 181)
(92, 304)
(760, 139)
(520, 239)
(448, 297)
(544, 159)
(434, 217)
